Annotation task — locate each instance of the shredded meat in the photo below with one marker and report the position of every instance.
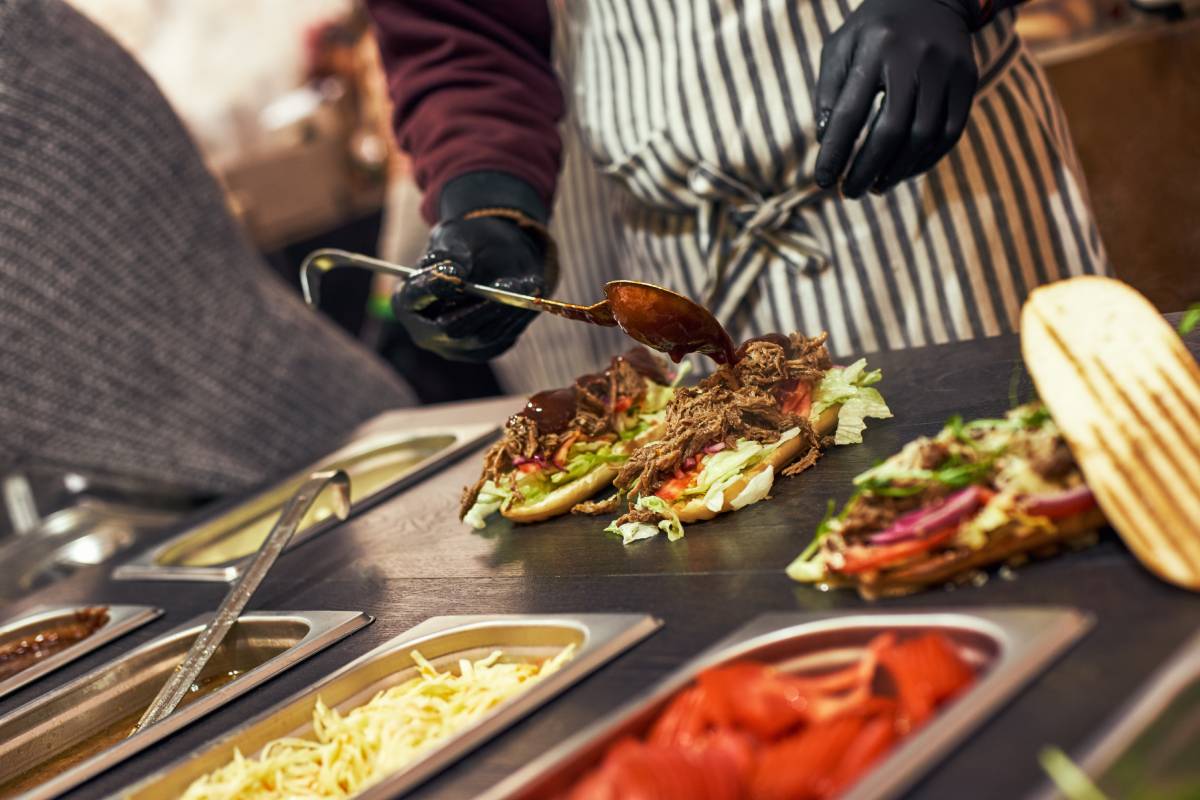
(596, 417)
(736, 402)
(1054, 462)
(804, 462)
(606, 506)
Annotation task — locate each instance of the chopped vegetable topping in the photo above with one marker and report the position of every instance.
(942, 499)
(747, 729)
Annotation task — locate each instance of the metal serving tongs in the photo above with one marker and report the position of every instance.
(188, 670)
(321, 261)
(658, 318)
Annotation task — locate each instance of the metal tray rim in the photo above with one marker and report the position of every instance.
(122, 619)
(326, 628)
(145, 566)
(1136, 714)
(606, 637)
(919, 752)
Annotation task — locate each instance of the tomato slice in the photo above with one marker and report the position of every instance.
(798, 768)
(926, 671)
(797, 399)
(671, 490)
(528, 467)
(684, 722)
(875, 739)
(756, 698)
(623, 404)
(861, 558)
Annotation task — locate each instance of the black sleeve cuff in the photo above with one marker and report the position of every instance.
(476, 190)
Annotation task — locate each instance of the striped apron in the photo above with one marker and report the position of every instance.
(690, 152)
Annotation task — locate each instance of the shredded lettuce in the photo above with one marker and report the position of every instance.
(634, 531)
(657, 397)
(851, 387)
(490, 499)
(808, 567)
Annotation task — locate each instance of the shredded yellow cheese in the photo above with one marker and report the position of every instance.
(350, 752)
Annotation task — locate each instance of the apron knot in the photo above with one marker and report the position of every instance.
(735, 219)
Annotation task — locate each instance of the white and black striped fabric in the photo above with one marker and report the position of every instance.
(690, 156)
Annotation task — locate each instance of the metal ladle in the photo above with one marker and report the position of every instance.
(658, 318)
(202, 649)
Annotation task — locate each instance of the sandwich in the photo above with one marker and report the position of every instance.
(567, 444)
(979, 493)
(724, 441)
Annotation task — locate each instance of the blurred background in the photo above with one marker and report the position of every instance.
(287, 100)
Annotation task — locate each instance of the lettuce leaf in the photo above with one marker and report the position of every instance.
(491, 499)
(851, 387)
(634, 531)
(722, 469)
(657, 398)
(757, 488)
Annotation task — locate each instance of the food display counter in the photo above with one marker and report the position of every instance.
(408, 560)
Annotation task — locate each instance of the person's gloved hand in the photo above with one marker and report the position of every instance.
(491, 233)
(918, 52)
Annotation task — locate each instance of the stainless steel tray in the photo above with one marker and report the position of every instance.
(62, 739)
(381, 461)
(443, 640)
(1152, 746)
(1008, 648)
(121, 620)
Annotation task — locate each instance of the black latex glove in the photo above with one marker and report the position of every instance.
(490, 250)
(919, 53)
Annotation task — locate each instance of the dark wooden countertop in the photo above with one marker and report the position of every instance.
(409, 559)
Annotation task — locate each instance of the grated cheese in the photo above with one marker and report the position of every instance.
(350, 752)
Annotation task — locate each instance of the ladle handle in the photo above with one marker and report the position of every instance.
(321, 261)
(202, 649)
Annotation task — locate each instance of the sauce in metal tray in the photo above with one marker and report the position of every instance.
(106, 737)
(22, 653)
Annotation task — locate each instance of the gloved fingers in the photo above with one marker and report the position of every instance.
(928, 126)
(466, 322)
(888, 135)
(958, 110)
(850, 114)
(836, 57)
(433, 290)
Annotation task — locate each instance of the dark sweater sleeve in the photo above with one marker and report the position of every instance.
(474, 89)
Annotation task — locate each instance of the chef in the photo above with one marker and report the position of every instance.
(897, 172)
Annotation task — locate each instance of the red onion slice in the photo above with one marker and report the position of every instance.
(951, 511)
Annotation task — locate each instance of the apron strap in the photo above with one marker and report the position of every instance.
(735, 221)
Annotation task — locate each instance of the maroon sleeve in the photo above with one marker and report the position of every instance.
(474, 89)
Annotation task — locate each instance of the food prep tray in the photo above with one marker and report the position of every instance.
(442, 640)
(121, 620)
(1152, 746)
(1006, 647)
(62, 739)
(380, 463)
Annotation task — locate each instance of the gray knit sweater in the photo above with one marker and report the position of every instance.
(139, 332)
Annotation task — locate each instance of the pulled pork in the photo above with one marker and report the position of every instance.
(739, 401)
(597, 416)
